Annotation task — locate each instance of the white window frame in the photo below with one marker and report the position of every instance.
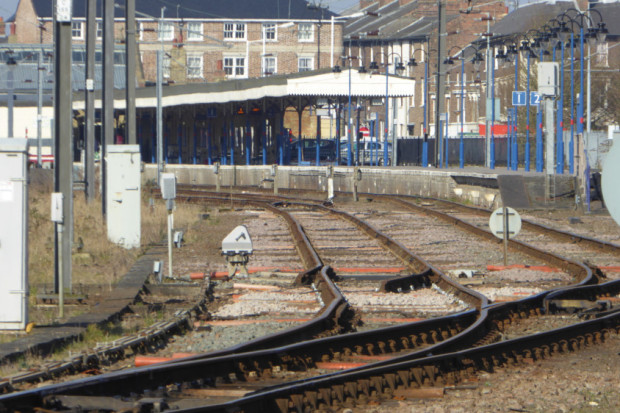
(305, 32)
(165, 31)
(195, 31)
(308, 67)
(412, 101)
(237, 66)
(195, 71)
(266, 66)
(269, 31)
(77, 30)
(99, 30)
(235, 32)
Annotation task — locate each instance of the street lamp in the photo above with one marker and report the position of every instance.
(476, 61)
(337, 69)
(10, 64)
(526, 46)
(399, 68)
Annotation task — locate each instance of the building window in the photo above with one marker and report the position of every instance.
(76, 30)
(234, 67)
(194, 31)
(269, 31)
(269, 66)
(306, 32)
(305, 64)
(166, 31)
(194, 66)
(234, 31)
(413, 96)
(99, 30)
(166, 66)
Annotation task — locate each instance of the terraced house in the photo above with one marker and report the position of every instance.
(205, 41)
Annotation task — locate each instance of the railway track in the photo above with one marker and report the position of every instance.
(391, 349)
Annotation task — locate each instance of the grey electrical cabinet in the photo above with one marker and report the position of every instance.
(13, 234)
(548, 74)
(123, 190)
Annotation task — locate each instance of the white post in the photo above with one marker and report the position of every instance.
(331, 60)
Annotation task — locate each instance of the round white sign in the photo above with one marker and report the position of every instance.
(502, 218)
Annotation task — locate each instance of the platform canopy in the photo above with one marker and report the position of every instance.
(321, 83)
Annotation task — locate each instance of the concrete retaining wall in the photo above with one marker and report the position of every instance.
(401, 181)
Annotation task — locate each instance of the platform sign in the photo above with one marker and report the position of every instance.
(519, 98)
(534, 98)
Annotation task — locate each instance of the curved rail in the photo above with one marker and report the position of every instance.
(447, 333)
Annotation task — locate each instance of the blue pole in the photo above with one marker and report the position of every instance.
(372, 132)
(281, 136)
(515, 146)
(571, 149)
(248, 143)
(461, 145)
(425, 143)
(154, 146)
(209, 130)
(492, 163)
(582, 90)
(224, 144)
(539, 140)
(318, 143)
(231, 136)
(338, 112)
(446, 144)
(527, 114)
(560, 121)
(349, 137)
(180, 143)
(195, 145)
(509, 138)
(387, 115)
(263, 139)
(440, 147)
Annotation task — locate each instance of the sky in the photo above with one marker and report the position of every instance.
(7, 8)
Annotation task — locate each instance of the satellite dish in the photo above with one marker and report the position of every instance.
(611, 190)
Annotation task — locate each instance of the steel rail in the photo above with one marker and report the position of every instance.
(579, 271)
(358, 387)
(533, 226)
(509, 311)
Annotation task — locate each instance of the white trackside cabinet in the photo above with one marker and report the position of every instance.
(123, 195)
(13, 234)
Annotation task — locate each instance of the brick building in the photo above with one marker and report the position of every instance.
(205, 41)
(406, 29)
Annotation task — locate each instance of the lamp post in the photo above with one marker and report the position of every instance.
(526, 46)
(337, 69)
(10, 64)
(412, 63)
(399, 68)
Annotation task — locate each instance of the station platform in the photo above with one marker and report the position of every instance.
(485, 187)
